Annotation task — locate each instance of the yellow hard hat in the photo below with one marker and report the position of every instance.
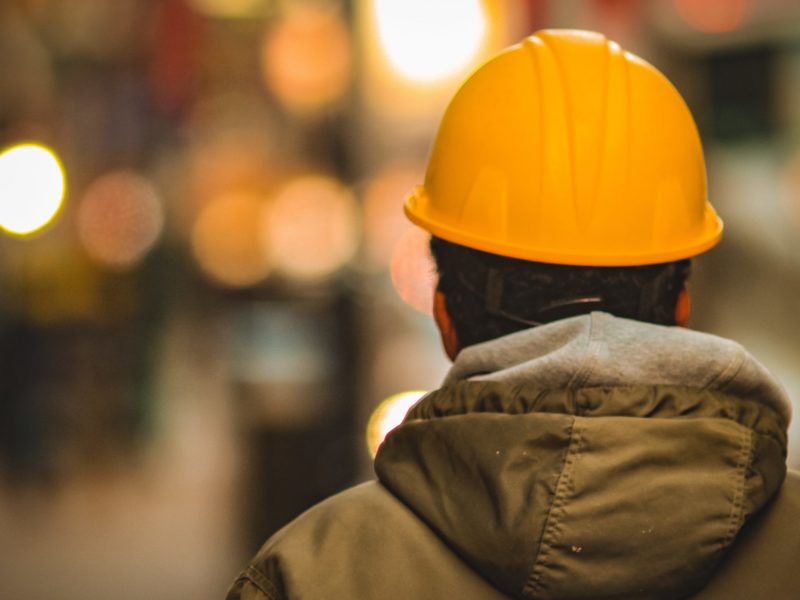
(567, 149)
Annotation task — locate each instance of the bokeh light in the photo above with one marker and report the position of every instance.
(425, 41)
(306, 58)
(388, 415)
(232, 9)
(120, 218)
(233, 144)
(229, 161)
(31, 188)
(413, 270)
(790, 188)
(226, 240)
(384, 221)
(714, 16)
(312, 229)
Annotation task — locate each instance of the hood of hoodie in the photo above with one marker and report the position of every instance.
(593, 457)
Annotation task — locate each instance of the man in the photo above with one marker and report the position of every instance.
(582, 445)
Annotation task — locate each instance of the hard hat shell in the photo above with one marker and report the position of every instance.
(567, 149)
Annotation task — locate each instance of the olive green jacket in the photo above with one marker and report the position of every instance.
(590, 458)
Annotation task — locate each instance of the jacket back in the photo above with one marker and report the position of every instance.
(590, 458)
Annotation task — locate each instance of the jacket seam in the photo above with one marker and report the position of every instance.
(593, 337)
(260, 581)
(736, 516)
(564, 488)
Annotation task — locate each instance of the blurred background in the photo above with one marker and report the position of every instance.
(211, 301)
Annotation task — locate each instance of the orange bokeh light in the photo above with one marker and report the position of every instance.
(232, 148)
(306, 58)
(119, 219)
(714, 16)
(413, 270)
(312, 228)
(791, 187)
(224, 164)
(226, 240)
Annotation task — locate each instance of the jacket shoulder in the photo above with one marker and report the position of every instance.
(764, 561)
(362, 543)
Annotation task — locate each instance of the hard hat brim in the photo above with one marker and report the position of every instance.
(417, 209)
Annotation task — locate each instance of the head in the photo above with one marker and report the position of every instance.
(481, 296)
(567, 176)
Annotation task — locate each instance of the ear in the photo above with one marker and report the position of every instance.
(446, 328)
(683, 308)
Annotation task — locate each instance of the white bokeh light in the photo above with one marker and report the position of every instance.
(388, 415)
(425, 41)
(31, 188)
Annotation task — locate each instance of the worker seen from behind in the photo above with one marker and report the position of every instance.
(584, 445)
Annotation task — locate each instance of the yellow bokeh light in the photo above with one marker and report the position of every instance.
(31, 188)
(426, 41)
(119, 219)
(226, 240)
(388, 415)
(312, 228)
(231, 9)
(306, 59)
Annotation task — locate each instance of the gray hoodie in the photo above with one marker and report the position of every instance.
(602, 350)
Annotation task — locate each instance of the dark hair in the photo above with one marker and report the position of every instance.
(488, 296)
